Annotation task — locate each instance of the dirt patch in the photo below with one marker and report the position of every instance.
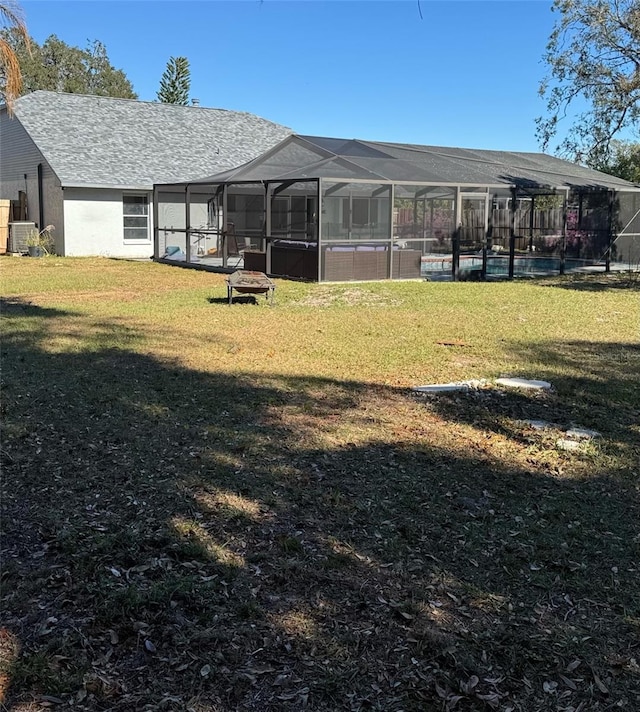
(350, 297)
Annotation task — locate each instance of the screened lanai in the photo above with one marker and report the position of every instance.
(340, 210)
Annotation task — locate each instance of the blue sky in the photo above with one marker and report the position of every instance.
(465, 74)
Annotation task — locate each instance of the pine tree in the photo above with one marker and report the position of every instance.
(175, 82)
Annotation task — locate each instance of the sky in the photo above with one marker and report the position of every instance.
(439, 72)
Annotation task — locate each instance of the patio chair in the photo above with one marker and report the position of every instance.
(232, 243)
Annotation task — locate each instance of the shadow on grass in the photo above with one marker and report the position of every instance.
(15, 307)
(595, 283)
(249, 299)
(184, 540)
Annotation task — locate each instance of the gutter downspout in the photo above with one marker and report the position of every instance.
(41, 224)
(187, 221)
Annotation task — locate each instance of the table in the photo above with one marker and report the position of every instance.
(250, 282)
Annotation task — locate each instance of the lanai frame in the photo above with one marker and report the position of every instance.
(263, 239)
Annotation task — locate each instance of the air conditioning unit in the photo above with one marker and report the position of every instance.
(18, 233)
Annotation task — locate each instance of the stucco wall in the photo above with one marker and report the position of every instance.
(94, 223)
(93, 220)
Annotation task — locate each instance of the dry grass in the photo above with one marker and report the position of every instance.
(245, 508)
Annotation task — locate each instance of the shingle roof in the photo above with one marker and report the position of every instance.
(305, 157)
(102, 141)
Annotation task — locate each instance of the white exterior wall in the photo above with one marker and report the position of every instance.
(93, 220)
(172, 219)
(94, 224)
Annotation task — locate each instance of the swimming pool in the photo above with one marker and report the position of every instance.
(498, 265)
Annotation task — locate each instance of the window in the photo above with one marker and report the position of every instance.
(135, 210)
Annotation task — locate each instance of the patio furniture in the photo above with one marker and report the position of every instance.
(294, 258)
(255, 260)
(406, 264)
(344, 263)
(250, 282)
(233, 249)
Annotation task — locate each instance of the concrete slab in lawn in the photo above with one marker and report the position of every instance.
(570, 445)
(538, 424)
(582, 434)
(449, 387)
(523, 383)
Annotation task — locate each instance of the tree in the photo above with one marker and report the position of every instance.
(175, 82)
(10, 74)
(594, 57)
(102, 78)
(624, 161)
(57, 66)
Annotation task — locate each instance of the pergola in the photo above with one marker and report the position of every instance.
(337, 210)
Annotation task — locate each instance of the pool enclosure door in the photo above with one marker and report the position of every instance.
(473, 228)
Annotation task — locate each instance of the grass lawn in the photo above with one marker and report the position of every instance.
(214, 508)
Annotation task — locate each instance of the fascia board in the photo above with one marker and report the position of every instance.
(106, 186)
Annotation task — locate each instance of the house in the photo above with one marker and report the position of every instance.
(87, 164)
(333, 209)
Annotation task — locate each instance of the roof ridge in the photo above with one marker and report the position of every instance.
(128, 99)
(423, 148)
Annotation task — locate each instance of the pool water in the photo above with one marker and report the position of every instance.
(499, 265)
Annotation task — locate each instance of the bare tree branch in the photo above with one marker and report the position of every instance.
(593, 55)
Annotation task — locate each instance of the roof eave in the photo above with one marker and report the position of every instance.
(109, 186)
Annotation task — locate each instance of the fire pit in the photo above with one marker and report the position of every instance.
(250, 282)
